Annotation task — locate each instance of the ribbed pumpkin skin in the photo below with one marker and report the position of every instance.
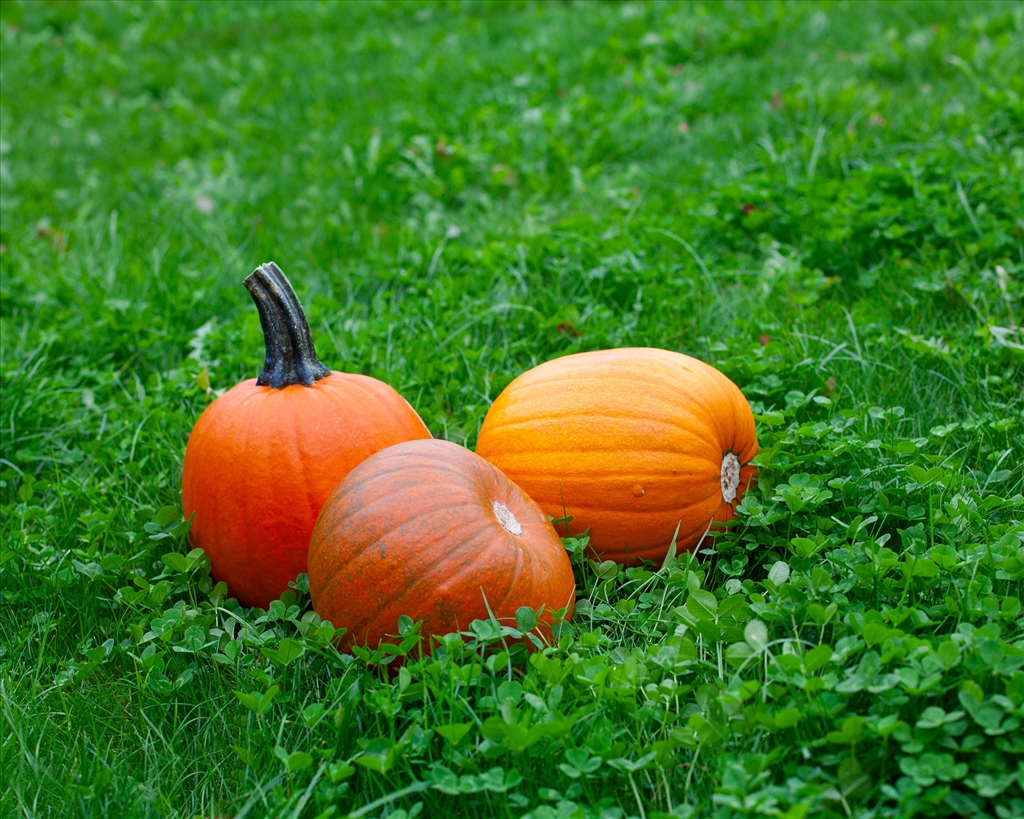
(413, 530)
(631, 441)
(260, 463)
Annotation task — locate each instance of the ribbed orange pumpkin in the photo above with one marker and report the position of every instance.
(262, 459)
(430, 530)
(630, 443)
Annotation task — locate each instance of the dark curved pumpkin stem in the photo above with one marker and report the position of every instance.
(291, 358)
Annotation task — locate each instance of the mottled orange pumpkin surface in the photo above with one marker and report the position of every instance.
(262, 459)
(430, 530)
(631, 443)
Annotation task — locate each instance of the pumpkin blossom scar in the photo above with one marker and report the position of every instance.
(730, 477)
(507, 519)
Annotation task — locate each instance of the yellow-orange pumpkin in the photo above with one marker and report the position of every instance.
(430, 530)
(630, 443)
(262, 458)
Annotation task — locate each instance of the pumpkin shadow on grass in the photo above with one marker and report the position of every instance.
(484, 639)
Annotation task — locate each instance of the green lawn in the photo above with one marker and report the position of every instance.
(824, 200)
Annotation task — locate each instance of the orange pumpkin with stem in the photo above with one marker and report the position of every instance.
(262, 458)
(432, 531)
(631, 443)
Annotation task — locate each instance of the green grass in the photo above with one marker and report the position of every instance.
(823, 200)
